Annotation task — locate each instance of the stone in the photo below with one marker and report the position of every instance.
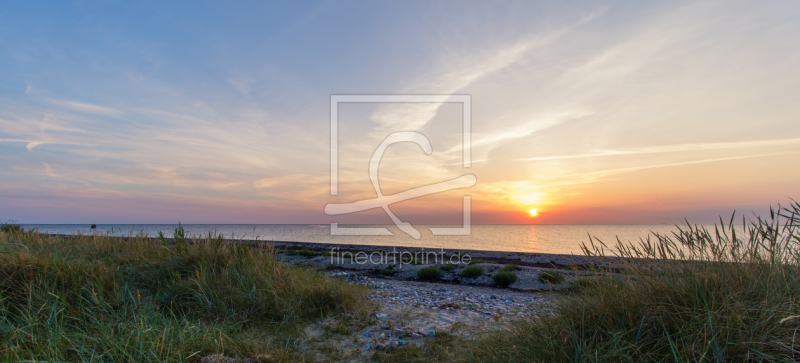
(368, 347)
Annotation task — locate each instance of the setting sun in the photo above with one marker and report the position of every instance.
(532, 212)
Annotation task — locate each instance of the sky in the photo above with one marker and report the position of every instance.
(219, 112)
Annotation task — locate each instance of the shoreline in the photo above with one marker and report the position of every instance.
(532, 259)
(402, 264)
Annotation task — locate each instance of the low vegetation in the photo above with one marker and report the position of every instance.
(303, 252)
(509, 268)
(429, 273)
(448, 267)
(471, 272)
(389, 271)
(504, 278)
(98, 298)
(551, 277)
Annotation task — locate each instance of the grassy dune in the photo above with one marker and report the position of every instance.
(104, 299)
(696, 296)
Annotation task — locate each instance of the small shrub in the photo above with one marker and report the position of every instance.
(429, 273)
(510, 268)
(448, 267)
(308, 253)
(389, 271)
(478, 260)
(472, 272)
(304, 252)
(551, 277)
(504, 278)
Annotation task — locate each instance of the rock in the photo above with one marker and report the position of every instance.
(380, 347)
(431, 333)
(367, 334)
(368, 347)
(393, 345)
(398, 333)
(401, 342)
(415, 336)
(381, 316)
(382, 335)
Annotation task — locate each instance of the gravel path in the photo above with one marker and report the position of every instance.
(409, 312)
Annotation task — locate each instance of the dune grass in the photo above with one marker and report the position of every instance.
(720, 295)
(99, 298)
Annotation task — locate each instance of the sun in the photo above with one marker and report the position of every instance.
(533, 212)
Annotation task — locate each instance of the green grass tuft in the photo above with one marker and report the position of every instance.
(389, 271)
(303, 252)
(510, 268)
(504, 278)
(551, 277)
(429, 273)
(448, 267)
(472, 272)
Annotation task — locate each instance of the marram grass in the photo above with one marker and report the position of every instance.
(104, 299)
(730, 294)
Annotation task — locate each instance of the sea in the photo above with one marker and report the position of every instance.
(555, 239)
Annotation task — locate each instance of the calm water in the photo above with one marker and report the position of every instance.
(564, 239)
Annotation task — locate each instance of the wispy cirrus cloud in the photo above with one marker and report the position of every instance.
(666, 165)
(85, 107)
(460, 72)
(672, 149)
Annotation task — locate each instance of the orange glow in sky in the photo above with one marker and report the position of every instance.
(594, 114)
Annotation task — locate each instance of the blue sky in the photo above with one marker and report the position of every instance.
(591, 112)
